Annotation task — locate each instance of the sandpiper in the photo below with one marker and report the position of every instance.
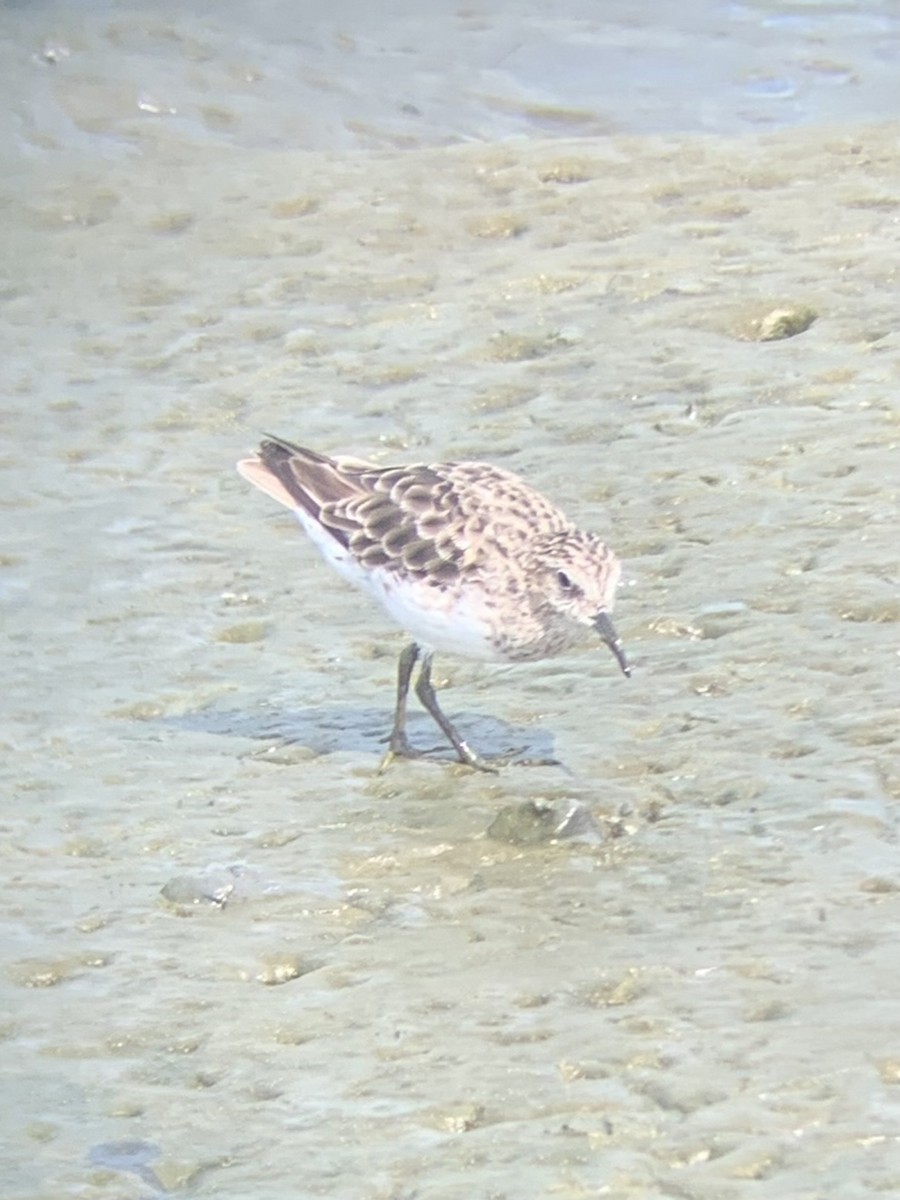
(466, 557)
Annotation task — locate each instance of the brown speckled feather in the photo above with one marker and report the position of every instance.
(430, 522)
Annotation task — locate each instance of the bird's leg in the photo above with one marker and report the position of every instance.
(398, 744)
(425, 692)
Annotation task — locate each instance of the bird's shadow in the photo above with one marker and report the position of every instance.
(331, 728)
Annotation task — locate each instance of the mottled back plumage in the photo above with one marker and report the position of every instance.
(434, 523)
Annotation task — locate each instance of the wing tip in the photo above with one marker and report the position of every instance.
(256, 471)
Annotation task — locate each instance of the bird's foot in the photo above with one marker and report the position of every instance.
(399, 746)
(470, 759)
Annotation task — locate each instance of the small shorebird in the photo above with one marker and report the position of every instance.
(464, 556)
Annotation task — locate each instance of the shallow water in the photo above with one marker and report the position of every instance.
(238, 961)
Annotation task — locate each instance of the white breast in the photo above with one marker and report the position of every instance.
(449, 619)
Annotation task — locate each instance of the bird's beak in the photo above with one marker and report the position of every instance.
(607, 631)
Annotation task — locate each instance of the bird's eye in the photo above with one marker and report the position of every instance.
(564, 581)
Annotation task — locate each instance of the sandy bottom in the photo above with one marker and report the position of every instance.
(241, 963)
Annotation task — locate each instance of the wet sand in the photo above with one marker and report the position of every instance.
(241, 963)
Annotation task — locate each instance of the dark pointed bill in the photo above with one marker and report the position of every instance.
(607, 631)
